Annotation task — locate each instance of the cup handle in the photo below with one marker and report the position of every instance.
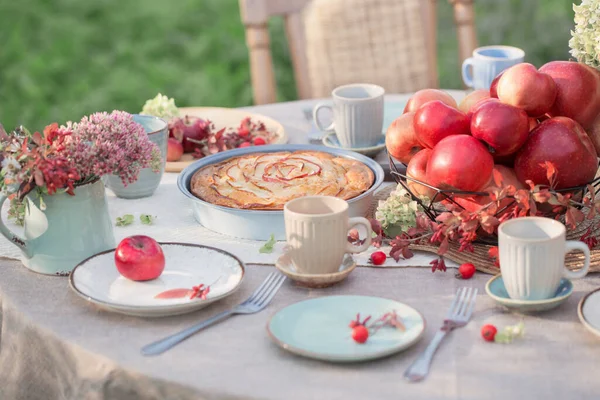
(467, 72)
(12, 237)
(364, 222)
(318, 107)
(577, 245)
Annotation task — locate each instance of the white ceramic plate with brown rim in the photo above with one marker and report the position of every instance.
(588, 311)
(225, 118)
(97, 280)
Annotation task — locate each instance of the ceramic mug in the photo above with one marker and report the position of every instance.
(316, 229)
(357, 115)
(148, 180)
(532, 257)
(487, 62)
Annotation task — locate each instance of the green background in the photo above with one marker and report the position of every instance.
(62, 59)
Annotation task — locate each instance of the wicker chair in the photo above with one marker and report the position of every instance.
(391, 43)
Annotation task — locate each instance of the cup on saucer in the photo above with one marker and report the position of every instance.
(316, 229)
(357, 115)
(532, 257)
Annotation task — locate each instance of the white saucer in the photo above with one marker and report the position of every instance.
(285, 265)
(331, 140)
(186, 265)
(496, 290)
(589, 311)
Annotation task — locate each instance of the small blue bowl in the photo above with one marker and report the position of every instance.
(496, 290)
(148, 180)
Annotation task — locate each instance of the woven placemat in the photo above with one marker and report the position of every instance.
(480, 258)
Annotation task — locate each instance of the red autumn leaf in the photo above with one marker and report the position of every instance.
(489, 223)
(573, 216)
(531, 184)
(470, 225)
(407, 253)
(497, 177)
(443, 249)
(542, 196)
(550, 172)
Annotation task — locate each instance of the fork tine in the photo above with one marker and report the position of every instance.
(274, 291)
(258, 291)
(469, 310)
(265, 293)
(461, 301)
(465, 302)
(455, 303)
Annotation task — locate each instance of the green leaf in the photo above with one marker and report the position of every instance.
(126, 219)
(268, 246)
(147, 219)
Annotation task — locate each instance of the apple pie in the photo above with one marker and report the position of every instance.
(266, 181)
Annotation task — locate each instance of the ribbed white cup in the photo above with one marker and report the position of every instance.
(532, 257)
(316, 229)
(357, 114)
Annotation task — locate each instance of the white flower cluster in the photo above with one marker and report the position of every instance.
(161, 107)
(398, 213)
(585, 40)
(9, 169)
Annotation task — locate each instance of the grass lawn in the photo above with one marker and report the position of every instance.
(63, 59)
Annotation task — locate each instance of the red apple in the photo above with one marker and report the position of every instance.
(473, 98)
(503, 127)
(578, 91)
(417, 169)
(401, 140)
(436, 120)
(139, 258)
(594, 134)
(190, 131)
(474, 203)
(564, 143)
(174, 150)
(423, 96)
(523, 86)
(460, 162)
(494, 85)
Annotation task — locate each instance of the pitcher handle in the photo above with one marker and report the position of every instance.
(7, 233)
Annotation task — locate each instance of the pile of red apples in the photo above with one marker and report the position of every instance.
(528, 117)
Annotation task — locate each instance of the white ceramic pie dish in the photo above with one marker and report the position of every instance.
(260, 224)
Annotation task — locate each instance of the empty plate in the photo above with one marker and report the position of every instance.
(319, 328)
(98, 281)
(589, 311)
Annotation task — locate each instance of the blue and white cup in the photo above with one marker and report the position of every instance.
(487, 62)
(357, 115)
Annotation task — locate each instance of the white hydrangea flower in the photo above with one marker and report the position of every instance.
(585, 40)
(10, 165)
(398, 213)
(161, 106)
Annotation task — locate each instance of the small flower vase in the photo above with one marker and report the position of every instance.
(68, 230)
(148, 180)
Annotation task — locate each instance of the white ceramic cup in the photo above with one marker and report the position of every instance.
(316, 229)
(532, 257)
(357, 115)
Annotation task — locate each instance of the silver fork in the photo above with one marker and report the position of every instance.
(458, 316)
(253, 304)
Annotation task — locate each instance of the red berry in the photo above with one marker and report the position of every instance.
(243, 131)
(244, 144)
(360, 334)
(488, 332)
(466, 271)
(378, 257)
(259, 141)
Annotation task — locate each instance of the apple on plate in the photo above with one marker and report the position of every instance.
(473, 98)
(417, 169)
(502, 127)
(460, 162)
(401, 140)
(436, 120)
(564, 143)
(174, 150)
(425, 95)
(578, 91)
(523, 86)
(139, 258)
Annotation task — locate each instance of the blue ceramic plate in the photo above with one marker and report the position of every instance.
(496, 290)
(331, 140)
(318, 328)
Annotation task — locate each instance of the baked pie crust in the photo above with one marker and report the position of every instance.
(266, 181)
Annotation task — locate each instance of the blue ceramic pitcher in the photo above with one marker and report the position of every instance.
(69, 230)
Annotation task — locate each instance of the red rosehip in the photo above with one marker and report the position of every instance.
(488, 332)
(378, 258)
(360, 334)
(243, 131)
(244, 144)
(259, 141)
(466, 271)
